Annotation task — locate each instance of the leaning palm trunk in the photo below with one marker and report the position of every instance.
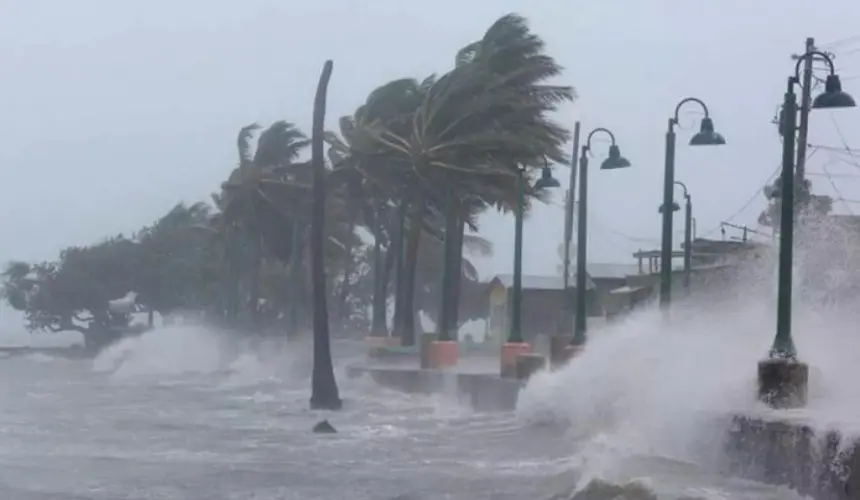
(231, 283)
(378, 325)
(348, 268)
(295, 291)
(410, 265)
(397, 246)
(254, 285)
(456, 270)
(443, 320)
(324, 392)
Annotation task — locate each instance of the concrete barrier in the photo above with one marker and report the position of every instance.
(822, 464)
(482, 392)
(529, 364)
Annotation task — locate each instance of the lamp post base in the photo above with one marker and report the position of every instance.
(529, 364)
(783, 383)
(573, 351)
(558, 352)
(443, 354)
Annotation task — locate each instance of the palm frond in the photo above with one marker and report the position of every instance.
(243, 143)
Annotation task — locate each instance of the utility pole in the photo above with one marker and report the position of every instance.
(568, 207)
(566, 324)
(805, 104)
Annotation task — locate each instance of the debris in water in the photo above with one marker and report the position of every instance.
(324, 428)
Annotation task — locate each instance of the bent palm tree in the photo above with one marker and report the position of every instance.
(475, 127)
(324, 392)
(252, 202)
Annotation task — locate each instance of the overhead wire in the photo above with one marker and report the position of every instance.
(840, 42)
(605, 229)
(835, 187)
(753, 197)
(845, 146)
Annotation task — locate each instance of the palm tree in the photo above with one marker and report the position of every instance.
(256, 198)
(324, 392)
(472, 130)
(358, 159)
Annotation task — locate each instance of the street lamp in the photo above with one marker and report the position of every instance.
(782, 379)
(612, 162)
(516, 345)
(705, 137)
(688, 232)
(546, 180)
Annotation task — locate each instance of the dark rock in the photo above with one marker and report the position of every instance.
(324, 427)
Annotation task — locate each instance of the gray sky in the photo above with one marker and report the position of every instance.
(114, 111)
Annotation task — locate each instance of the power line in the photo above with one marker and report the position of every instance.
(632, 239)
(832, 175)
(841, 41)
(600, 226)
(754, 196)
(746, 204)
(835, 149)
(836, 188)
(844, 142)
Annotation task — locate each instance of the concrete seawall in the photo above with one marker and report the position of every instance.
(823, 464)
(481, 391)
(778, 449)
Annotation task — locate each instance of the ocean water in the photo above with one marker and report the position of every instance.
(181, 413)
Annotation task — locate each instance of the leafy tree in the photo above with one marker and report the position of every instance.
(182, 269)
(73, 294)
(815, 205)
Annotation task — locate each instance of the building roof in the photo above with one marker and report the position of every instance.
(600, 270)
(532, 282)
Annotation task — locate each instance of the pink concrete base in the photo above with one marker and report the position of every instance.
(510, 353)
(443, 354)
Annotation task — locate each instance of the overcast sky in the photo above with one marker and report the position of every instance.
(112, 112)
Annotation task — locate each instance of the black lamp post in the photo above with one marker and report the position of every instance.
(515, 334)
(782, 379)
(614, 161)
(688, 232)
(705, 137)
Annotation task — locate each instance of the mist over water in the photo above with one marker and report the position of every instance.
(645, 388)
(188, 412)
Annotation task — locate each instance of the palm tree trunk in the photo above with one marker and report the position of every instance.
(457, 273)
(348, 268)
(231, 284)
(324, 392)
(379, 321)
(443, 319)
(398, 246)
(254, 292)
(296, 281)
(410, 264)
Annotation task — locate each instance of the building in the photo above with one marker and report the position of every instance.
(543, 300)
(714, 264)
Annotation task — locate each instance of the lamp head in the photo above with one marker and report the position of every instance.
(675, 207)
(615, 160)
(547, 180)
(833, 96)
(706, 135)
